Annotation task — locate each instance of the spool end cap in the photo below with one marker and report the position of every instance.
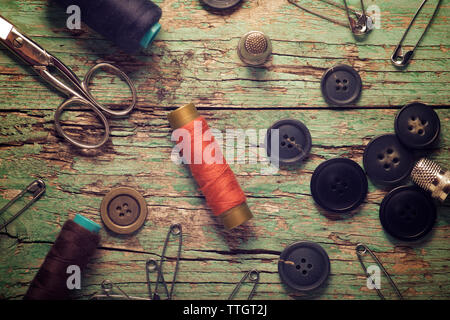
(236, 216)
(150, 35)
(87, 223)
(182, 116)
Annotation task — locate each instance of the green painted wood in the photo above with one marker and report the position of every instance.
(194, 59)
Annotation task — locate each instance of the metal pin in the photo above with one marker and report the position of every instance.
(362, 249)
(398, 58)
(363, 23)
(253, 276)
(429, 175)
(107, 292)
(152, 266)
(37, 188)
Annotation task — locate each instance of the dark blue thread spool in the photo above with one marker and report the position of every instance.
(130, 24)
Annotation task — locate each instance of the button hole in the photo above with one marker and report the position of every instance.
(390, 151)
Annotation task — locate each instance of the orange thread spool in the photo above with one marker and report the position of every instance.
(216, 180)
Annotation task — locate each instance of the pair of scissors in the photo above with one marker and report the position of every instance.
(78, 93)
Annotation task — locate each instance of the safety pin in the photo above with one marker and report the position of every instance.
(253, 276)
(362, 249)
(152, 266)
(37, 188)
(107, 288)
(362, 25)
(398, 58)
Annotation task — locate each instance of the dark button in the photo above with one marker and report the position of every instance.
(304, 266)
(339, 185)
(341, 85)
(294, 142)
(386, 161)
(417, 126)
(221, 4)
(407, 213)
(123, 210)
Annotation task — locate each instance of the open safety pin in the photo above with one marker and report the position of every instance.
(152, 266)
(37, 188)
(107, 288)
(398, 58)
(362, 25)
(362, 249)
(253, 276)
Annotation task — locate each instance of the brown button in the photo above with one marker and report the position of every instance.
(123, 210)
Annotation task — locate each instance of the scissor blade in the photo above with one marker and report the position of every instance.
(22, 46)
(5, 28)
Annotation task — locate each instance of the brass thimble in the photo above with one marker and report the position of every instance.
(431, 177)
(254, 48)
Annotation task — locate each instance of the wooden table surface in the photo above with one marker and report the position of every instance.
(194, 60)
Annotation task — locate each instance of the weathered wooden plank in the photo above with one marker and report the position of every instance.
(192, 65)
(77, 184)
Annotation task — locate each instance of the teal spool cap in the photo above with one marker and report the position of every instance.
(86, 223)
(150, 35)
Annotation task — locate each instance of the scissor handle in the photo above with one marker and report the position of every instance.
(123, 76)
(77, 143)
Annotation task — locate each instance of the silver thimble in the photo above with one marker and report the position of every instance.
(254, 48)
(430, 176)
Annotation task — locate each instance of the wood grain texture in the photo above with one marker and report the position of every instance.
(194, 60)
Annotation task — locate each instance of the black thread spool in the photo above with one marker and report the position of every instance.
(75, 245)
(130, 24)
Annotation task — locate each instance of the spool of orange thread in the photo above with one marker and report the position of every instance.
(216, 180)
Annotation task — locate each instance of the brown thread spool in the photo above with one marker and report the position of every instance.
(75, 245)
